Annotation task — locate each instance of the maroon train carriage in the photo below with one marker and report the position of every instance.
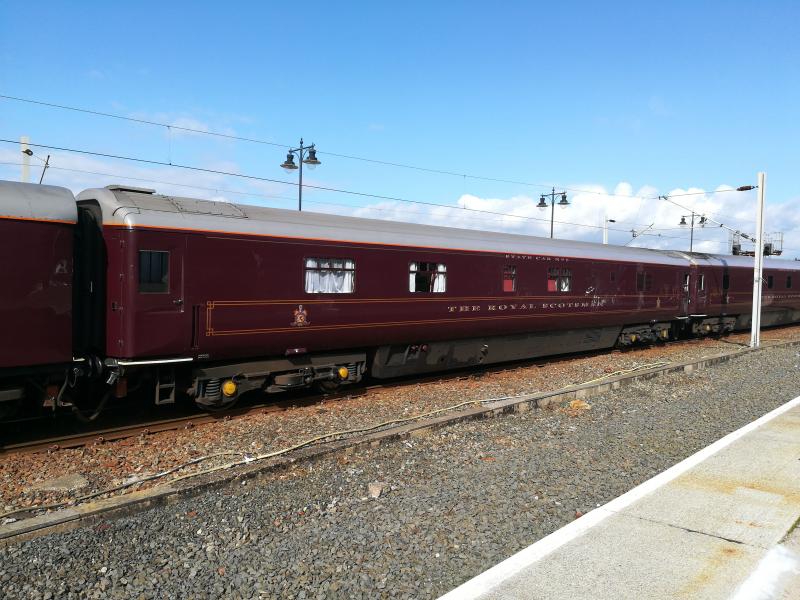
(214, 298)
(37, 229)
(211, 299)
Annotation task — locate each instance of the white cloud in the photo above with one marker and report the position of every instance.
(655, 220)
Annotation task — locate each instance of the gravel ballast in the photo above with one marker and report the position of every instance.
(448, 506)
(28, 481)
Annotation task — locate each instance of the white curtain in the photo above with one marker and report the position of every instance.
(440, 278)
(330, 276)
(312, 275)
(412, 277)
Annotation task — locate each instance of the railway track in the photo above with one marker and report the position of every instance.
(27, 441)
(109, 434)
(100, 435)
(28, 520)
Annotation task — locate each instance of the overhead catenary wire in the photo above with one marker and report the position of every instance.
(216, 189)
(668, 198)
(99, 113)
(498, 216)
(292, 183)
(219, 190)
(170, 127)
(502, 216)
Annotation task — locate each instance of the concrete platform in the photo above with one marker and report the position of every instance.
(721, 524)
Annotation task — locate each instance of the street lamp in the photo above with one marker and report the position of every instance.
(758, 262)
(701, 222)
(562, 203)
(606, 221)
(46, 162)
(305, 155)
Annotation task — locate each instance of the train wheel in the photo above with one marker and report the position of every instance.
(221, 406)
(328, 386)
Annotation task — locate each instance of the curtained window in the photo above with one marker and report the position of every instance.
(559, 280)
(565, 281)
(427, 277)
(510, 279)
(330, 275)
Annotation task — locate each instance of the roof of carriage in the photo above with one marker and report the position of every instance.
(35, 202)
(140, 207)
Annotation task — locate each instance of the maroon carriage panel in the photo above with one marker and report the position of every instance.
(36, 269)
(216, 281)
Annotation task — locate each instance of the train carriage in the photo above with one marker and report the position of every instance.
(123, 288)
(37, 228)
(256, 297)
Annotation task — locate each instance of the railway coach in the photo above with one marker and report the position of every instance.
(211, 299)
(37, 231)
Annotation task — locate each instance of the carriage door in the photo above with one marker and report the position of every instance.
(701, 295)
(161, 324)
(686, 303)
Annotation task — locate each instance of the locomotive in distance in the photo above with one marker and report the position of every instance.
(121, 288)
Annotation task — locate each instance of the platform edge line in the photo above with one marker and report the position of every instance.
(494, 576)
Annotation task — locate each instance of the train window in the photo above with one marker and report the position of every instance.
(701, 283)
(565, 281)
(330, 275)
(510, 279)
(788, 282)
(559, 280)
(686, 282)
(770, 281)
(153, 272)
(552, 280)
(427, 277)
(726, 281)
(644, 282)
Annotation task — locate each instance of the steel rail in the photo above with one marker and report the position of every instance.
(99, 436)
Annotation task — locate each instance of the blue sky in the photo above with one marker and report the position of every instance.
(653, 98)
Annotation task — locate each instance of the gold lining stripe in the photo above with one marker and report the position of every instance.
(412, 298)
(406, 323)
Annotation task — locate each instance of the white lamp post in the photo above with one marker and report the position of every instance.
(758, 267)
